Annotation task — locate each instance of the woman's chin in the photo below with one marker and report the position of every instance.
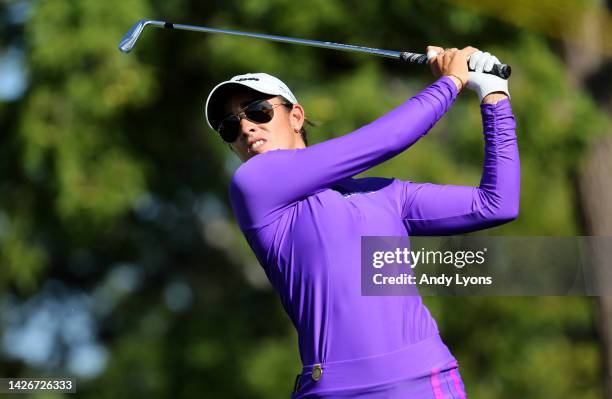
(265, 147)
(260, 150)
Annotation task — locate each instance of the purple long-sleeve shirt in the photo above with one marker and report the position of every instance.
(303, 215)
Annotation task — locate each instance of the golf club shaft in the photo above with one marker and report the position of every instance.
(130, 38)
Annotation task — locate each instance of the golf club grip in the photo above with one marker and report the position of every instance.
(501, 70)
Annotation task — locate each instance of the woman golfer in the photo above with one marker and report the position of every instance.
(303, 214)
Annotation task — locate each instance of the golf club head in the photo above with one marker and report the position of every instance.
(129, 39)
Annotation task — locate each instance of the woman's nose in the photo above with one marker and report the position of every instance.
(246, 125)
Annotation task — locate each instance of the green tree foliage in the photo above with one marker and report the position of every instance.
(107, 166)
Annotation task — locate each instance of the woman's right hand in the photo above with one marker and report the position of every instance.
(490, 88)
(450, 62)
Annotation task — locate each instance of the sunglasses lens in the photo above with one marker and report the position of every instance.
(260, 112)
(229, 128)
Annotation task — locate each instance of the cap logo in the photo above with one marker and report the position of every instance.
(243, 79)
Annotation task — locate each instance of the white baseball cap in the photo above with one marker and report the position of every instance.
(261, 82)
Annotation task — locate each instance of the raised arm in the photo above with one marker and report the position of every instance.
(270, 182)
(431, 209)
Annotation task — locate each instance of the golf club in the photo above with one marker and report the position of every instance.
(129, 40)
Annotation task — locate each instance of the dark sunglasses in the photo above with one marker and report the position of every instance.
(259, 111)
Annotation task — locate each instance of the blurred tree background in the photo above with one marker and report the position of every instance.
(120, 261)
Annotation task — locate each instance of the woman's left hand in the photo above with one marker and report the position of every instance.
(450, 62)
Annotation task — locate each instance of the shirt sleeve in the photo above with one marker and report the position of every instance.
(432, 209)
(268, 183)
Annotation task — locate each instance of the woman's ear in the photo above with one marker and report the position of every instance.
(296, 116)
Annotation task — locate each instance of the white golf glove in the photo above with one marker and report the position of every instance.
(485, 83)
